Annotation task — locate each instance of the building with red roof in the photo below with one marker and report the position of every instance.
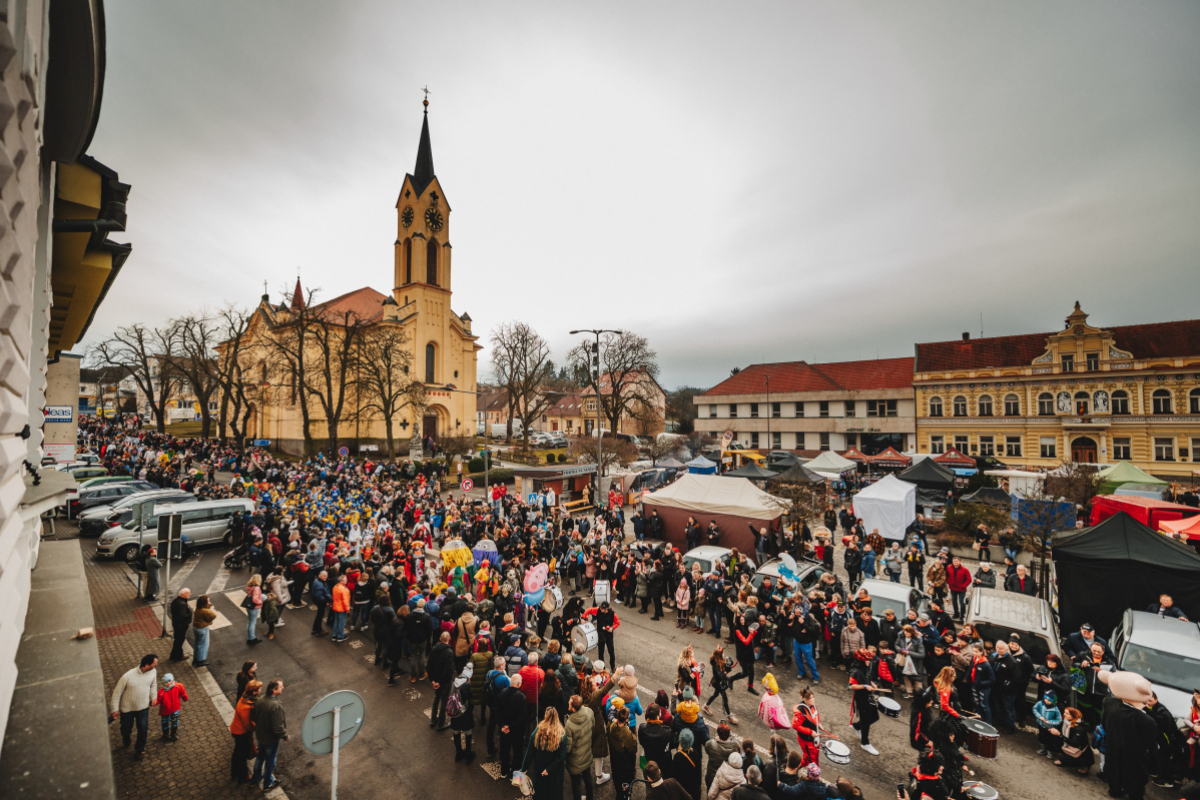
(1082, 393)
(795, 405)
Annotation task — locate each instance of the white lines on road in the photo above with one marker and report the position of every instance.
(219, 582)
(236, 596)
(177, 578)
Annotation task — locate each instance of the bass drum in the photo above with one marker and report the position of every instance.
(601, 592)
(553, 599)
(586, 635)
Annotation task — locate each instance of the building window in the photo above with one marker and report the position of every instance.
(1045, 405)
(852, 440)
(1083, 402)
(962, 444)
(850, 411)
(824, 408)
(776, 440)
(1012, 405)
(824, 441)
(1068, 363)
(1049, 447)
(1121, 448)
(987, 446)
(712, 412)
(1120, 402)
(799, 412)
(408, 260)
(754, 440)
(430, 352)
(1195, 450)
(431, 265)
(1093, 361)
(985, 405)
(937, 445)
(754, 410)
(935, 406)
(1164, 449)
(776, 410)
(1194, 401)
(1162, 403)
(733, 410)
(960, 406)
(1012, 446)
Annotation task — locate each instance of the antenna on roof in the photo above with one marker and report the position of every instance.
(980, 324)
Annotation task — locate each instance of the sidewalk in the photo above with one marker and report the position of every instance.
(197, 766)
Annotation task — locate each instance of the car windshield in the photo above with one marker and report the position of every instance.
(1158, 666)
(705, 564)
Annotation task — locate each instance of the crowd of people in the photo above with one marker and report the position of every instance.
(368, 541)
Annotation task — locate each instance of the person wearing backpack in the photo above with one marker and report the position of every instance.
(492, 686)
(459, 710)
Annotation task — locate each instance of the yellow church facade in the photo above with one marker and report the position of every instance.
(442, 350)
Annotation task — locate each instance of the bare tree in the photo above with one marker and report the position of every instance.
(231, 357)
(616, 453)
(332, 372)
(626, 364)
(1041, 513)
(520, 357)
(289, 351)
(799, 502)
(197, 362)
(148, 355)
(385, 383)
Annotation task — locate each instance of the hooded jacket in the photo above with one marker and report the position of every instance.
(579, 729)
(717, 751)
(728, 777)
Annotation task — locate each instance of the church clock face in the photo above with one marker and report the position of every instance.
(407, 216)
(433, 218)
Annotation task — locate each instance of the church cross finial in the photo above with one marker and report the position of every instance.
(264, 287)
(425, 102)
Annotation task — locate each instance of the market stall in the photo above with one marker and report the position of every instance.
(889, 505)
(1124, 472)
(701, 466)
(932, 481)
(734, 503)
(889, 459)
(1144, 509)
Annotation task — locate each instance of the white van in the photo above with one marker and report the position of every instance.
(204, 523)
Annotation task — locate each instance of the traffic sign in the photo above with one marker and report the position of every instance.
(343, 451)
(318, 732)
(467, 485)
(170, 528)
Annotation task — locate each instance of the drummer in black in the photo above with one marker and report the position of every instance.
(863, 708)
(606, 624)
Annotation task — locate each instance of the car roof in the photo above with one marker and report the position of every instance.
(1161, 633)
(892, 591)
(1011, 609)
(707, 552)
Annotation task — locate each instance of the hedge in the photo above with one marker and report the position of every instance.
(502, 475)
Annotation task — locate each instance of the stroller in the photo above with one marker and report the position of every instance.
(238, 557)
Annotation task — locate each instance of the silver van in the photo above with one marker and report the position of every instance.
(204, 523)
(94, 522)
(996, 614)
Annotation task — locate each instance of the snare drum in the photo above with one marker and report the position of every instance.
(601, 591)
(586, 634)
(979, 791)
(982, 738)
(553, 599)
(889, 707)
(836, 752)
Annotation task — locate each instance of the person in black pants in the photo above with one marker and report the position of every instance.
(510, 717)
(746, 639)
(852, 560)
(863, 707)
(606, 624)
(441, 675)
(657, 582)
(321, 596)
(181, 620)
(381, 625)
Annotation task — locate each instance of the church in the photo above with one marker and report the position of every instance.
(443, 352)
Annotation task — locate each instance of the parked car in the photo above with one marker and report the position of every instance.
(104, 494)
(810, 574)
(82, 472)
(708, 555)
(1165, 652)
(203, 523)
(896, 596)
(997, 615)
(97, 520)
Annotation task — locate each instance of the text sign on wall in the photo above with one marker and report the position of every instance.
(59, 413)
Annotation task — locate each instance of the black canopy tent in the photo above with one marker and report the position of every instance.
(1119, 564)
(798, 474)
(752, 471)
(989, 495)
(931, 479)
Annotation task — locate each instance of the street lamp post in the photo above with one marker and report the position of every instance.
(595, 373)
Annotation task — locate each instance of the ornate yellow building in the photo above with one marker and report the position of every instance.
(443, 348)
(1083, 394)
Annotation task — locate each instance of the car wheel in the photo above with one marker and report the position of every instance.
(128, 554)
(227, 539)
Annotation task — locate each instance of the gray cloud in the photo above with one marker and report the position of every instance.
(825, 181)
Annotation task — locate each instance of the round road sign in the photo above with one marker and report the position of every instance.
(343, 451)
(317, 732)
(467, 485)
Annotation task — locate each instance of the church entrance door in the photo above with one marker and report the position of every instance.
(429, 427)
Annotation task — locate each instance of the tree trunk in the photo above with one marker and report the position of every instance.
(223, 417)
(205, 420)
(387, 426)
(160, 418)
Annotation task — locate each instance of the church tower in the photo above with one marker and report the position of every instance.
(423, 230)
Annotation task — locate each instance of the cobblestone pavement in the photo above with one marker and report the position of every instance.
(196, 767)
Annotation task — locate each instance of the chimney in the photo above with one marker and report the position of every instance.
(966, 336)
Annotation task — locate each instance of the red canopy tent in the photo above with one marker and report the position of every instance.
(889, 458)
(1186, 528)
(953, 458)
(854, 455)
(1145, 510)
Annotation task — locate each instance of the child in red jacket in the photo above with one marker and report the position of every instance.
(170, 699)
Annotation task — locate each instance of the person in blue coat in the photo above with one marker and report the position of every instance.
(322, 596)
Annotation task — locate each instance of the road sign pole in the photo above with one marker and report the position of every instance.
(337, 726)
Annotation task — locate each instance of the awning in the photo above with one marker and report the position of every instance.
(954, 458)
(889, 458)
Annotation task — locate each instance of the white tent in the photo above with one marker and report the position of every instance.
(1019, 482)
(830, 461)
(888, 505)
(717, 494)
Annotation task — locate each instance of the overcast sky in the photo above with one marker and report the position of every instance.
(738, 182)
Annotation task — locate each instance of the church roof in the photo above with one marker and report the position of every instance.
(423, 174)
(366, 304)
(298, 297)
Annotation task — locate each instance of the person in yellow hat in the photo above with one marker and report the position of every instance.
(770, 708)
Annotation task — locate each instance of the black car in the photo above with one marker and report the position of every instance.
(104, 495)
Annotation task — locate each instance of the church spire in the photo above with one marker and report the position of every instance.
(423, 172)
(298, 297)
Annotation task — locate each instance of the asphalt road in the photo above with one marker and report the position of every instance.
(399, 754)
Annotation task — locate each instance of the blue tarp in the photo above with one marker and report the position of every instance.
(701, 466)
(1048, 515)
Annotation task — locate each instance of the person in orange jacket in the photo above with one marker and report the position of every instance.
(341, 608)
(170, 699)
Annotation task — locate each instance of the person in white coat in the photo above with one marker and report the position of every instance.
(729, 776)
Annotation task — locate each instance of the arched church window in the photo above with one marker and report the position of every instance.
(430, 353)
(408, 260)
(431, 265)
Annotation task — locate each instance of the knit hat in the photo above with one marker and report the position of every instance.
(617, 703)
(814, 771)
(168, 678)
(598, 666)
(686, 739)
(1051, 696)
(688, 694)
(468, 670)
(735, 760)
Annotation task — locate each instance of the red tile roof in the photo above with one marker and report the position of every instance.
(567, 406)
(364, 303)
(1153, 340)
(800, 376)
